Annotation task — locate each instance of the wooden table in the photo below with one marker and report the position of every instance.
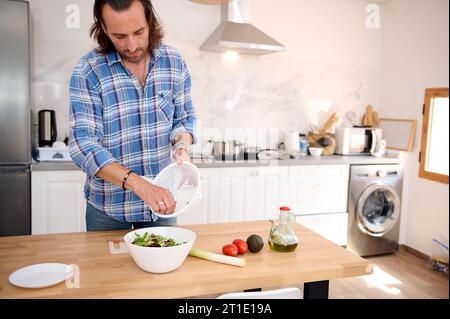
(106, 275)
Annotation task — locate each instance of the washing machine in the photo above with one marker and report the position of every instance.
(374, 209)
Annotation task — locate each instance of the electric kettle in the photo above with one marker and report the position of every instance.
(47, 128)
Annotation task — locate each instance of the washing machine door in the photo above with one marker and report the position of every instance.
(378, 210)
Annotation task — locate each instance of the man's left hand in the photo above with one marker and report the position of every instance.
(181, 155)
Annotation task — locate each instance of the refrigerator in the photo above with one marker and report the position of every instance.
(15, 125)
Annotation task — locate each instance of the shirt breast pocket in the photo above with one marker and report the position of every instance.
(166, 106)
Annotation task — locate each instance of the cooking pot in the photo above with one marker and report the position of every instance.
(227, 150)
(251, 153)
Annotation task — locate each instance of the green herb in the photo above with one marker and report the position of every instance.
(142, 240)
(152, 240)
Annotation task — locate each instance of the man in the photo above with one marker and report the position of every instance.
(130, 110)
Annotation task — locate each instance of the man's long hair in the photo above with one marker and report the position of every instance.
(105, 45)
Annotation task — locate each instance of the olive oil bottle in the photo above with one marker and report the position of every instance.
(282, 248)
(282, 237)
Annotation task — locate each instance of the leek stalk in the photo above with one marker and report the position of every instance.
(234, 261)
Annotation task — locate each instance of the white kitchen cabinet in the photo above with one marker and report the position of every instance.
(331, 226)
(58, 204)
(228, 195)
(318, 195)
(317, 189)
(256, 193)
(237, 188)
(250, 193)
(271, 184)
(206, 209)
(237, 194)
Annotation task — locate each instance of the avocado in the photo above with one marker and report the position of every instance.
(255, 243)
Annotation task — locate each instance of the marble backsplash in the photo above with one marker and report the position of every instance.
(331, 65)
(254, 99)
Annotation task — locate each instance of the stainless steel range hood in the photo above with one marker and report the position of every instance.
(235, 33)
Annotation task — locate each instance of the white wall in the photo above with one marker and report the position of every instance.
(55, 51)
(331, 63)
(416, 56)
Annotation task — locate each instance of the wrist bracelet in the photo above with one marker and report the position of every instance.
(125, 179)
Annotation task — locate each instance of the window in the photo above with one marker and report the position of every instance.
(435, 136)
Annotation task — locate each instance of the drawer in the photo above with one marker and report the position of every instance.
(318, 197)
(319, 172)
(322, 186)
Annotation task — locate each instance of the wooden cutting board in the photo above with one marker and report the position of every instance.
(371, 117)
(332, 121)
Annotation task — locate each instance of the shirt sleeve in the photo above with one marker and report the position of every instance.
(86, 126)
(185, 117)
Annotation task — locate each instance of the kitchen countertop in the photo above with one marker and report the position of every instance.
(307, 160)
(106, 275)
(54, 166)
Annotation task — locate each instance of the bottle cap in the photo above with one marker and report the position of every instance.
(285, 209)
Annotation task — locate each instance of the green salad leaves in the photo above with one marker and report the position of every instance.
(152, 240)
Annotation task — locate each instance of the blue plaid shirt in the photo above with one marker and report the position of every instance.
(114, 120)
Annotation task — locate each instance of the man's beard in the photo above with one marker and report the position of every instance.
(128, 56)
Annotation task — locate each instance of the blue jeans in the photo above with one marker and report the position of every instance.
(97, 220)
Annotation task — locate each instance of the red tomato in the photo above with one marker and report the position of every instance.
(230, 250)
(241, 245)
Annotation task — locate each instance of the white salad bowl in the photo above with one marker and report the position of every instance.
(161, 259)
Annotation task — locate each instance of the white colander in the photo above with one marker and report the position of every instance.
(184, 183)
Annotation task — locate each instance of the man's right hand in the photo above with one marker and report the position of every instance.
(159, 199)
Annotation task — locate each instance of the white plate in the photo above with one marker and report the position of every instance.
(41, 275)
